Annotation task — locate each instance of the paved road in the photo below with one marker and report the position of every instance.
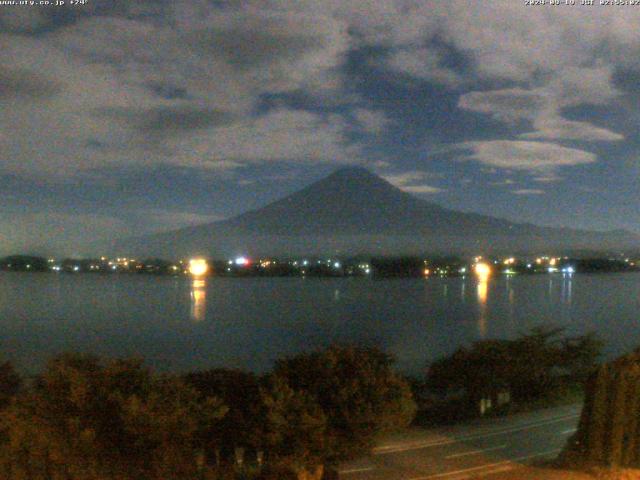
(471, 450)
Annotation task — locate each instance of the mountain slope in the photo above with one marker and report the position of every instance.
(355, 211)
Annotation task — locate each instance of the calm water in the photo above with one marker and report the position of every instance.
(179, 324)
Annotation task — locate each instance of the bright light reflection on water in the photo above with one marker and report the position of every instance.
(483, 295)
(198, 299)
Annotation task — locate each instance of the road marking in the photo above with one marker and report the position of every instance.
(475, 452)
(503, 463)
(571, 430)
(385, 450)
(504, 468)
(355, 470)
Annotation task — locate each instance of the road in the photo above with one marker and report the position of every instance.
(471, 450)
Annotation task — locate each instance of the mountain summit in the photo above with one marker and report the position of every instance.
(355, 211)
(351, 200)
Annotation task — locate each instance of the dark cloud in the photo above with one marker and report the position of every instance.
(37, 21)
(170, 119)
(168, 91)
(245, 46)
(19, 83)
(627, 79)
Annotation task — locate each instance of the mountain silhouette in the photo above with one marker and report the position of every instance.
(355, 211)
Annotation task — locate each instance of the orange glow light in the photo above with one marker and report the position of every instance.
(482, 269)
(198, 267)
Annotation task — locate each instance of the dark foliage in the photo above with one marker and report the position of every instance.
(10, 383)
(84, 419)
(529, 367)
(356, 389)
(609, 429)
(242, 426)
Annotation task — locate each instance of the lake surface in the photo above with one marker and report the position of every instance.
(178, 324)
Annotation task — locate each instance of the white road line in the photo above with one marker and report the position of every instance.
(355, 470)
(504, 468)
(435, 443)
(503, 463)
(571, 430)
(475, 452)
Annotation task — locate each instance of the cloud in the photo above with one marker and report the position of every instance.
(371, 121)
(25, 85)
(549, 178)
(159, 220)
(480, 45)
(151, 80)
(506, 104)
(421, 189)
(181, 84)
(528, 191)
(280, 135)
(38, 20)
(508, 181)
(524, 155)
(556, 128)
(542, 108)
(167, 120)
(412, 182)
(54, 231)
(424, 63)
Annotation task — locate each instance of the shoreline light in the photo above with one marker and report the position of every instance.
(482, 269)
(198, 267)
(242, 261)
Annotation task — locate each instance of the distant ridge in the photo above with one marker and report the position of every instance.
(355, 211)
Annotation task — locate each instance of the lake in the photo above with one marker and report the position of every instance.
(178, 323)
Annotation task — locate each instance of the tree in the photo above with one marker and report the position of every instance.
(243, 424)
(87, 419)
(294, 434)
(581, 355)
(533, 360)
(356, 389)
(609, 429)
(10, 383)
(529, 366)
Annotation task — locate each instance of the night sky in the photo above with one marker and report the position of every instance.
(124, 117)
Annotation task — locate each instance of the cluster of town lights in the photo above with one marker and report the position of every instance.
(482, 267)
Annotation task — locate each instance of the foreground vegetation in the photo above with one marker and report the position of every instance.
(609, 429)
(87, 418)
(540, 368)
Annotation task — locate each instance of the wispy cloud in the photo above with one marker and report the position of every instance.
(412, 182)
(524, 155)
(528, 191)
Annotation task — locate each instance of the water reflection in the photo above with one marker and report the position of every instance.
(198, 299)
(567, 288)
(483, 294)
